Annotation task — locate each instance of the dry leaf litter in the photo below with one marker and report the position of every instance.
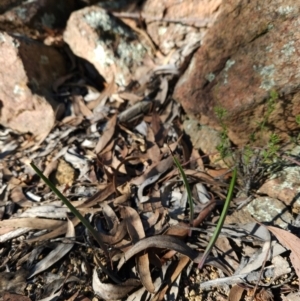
(110, 154)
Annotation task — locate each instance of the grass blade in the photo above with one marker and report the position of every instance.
(84, 221)
(187, 187)
(221, 220)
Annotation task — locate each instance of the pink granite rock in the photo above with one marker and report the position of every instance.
(285, 186)
(170, 23)
(27, 71)
(105, 41)
(252, 49)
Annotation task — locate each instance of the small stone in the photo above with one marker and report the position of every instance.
(285, 186)
(106, 42)
(266, 209)
(65, 173)
(206, 139)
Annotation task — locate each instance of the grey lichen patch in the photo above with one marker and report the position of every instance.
(128, 55)
(228, 65)
(295, 151)
(48, 20)
(210, 77)
(266, 209)
(130, 52)
(105, 23)
(21, 12)
(288, 49)
(291, 175)
(267, 70)
(117, 44)
(124, 56)
(269, 48)
(266, 73)
(285, 10)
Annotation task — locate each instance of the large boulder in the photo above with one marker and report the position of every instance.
(250, 51)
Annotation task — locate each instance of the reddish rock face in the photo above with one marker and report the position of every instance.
(252, 49)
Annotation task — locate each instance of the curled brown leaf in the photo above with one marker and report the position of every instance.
(109, 291)
(136, 232)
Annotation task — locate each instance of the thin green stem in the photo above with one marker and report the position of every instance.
(188, 189)
(69, 205)
(221, 220)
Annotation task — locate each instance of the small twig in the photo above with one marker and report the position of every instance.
(291, 159)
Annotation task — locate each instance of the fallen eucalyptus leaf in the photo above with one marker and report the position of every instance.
(172, 243)
(107, 134)
(136, 232)
(290, 241)
(152, 176)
